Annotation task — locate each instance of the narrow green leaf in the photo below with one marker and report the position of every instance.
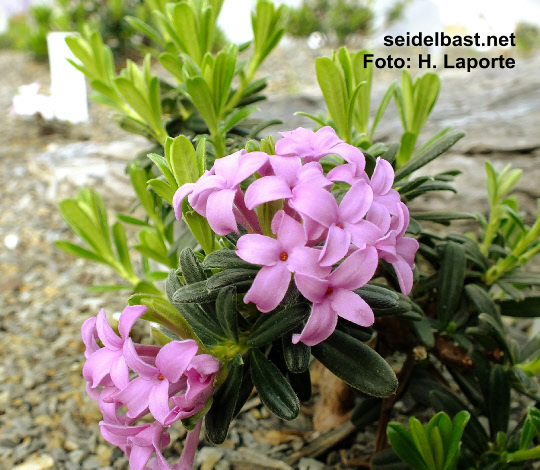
(332, 86)
(356, 364)
(274, 390)
(163, 189)
(227, 313)
(429, 153)
(450, 281)
(183, 160)
(272, 326)
(219, 417)
(120, 241)
(405, 447)
(527, 308)
(78, 251)
(498, 400)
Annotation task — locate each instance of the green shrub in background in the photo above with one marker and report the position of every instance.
(29, 31)
(341, 18)
(527, 37)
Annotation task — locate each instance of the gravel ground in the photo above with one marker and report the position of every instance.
(46, 420)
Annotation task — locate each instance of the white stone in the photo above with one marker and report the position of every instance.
(68, 86)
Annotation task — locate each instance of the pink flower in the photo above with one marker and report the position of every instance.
(217, 195)
(333, 297)
(280, 257)
(344, 222)
(398, 250)
(138, 442)
(288, 173)
(155, 384)
(312, 146)
(200, 376)
(106, 366)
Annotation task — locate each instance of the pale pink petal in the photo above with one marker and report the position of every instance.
(97, 368)
(352, 155)
(175, 357)
(136, 395)
(352, 307)
(269, 287)
(356, 202)
(227, 167)
(295, 142)
(259, 249)
(363, 233)
(306, 261)
(315, 232)
(128, 318)
(312, 288)
(404, 274)
(324, 139)
(290, 233)
(120, 373)
(106, 334)
(336, 246)
(320, 325)
(391, 201)
(345, 173)
(181, 193)
(406, 248)
(248, 164)
(379, 216)
(269, 188)
(312, 173)
(139, 455)
(356, 270)
(158, 402)
(89, 334)
(136, 364)
(219, 212)
(383, 177)
(202, 191)
(286, 168)
(315, 203)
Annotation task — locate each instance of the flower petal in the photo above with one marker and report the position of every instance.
(336, 246)
(269, 188)
(356, 270)
(356, 202)
(352, 307)
(219, 211)
(312, 288)
(89, 334)
(181, 193)
(248, 164)
(259, 249)
(320, 325)
(269, 287)
(158, 401)
(136, 395)
(306, 261)
(315, 203)
(136, 364)
(404, 274)
(227, 167)
(290, 233)
(128, 318)
(352, 155)
(106, 334)
(382, 178)
(175, 357)
(363, 233)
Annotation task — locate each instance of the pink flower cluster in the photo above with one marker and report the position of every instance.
(329, 249)
(173, 374)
